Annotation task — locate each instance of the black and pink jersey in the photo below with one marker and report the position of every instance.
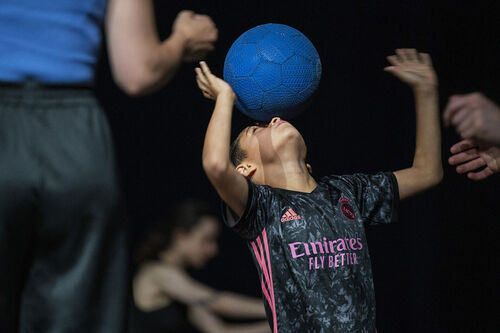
(311, 252)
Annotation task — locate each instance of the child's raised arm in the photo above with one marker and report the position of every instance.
(231, 186)
(415, 69)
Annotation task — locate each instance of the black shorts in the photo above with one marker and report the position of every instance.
(63, 240)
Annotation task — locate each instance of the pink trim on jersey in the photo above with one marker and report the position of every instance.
(275, 319)
(265, 265)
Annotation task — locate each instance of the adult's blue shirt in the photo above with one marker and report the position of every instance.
(52, 41)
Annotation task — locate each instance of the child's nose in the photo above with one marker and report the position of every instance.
(274, 120)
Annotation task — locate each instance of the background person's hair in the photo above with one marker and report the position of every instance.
(182, 217)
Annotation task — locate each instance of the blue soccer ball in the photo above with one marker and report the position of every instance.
(273, 69)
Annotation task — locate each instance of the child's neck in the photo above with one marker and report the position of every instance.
(291, 176)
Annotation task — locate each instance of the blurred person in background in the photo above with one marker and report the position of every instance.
(167, 299)
(63, 248)
(477, 120)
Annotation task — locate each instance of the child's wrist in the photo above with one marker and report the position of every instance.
(425, 89)
(227, 95)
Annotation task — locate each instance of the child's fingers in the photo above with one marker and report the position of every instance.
(393, 60)
(201, 82)
(391, 69)
(206, 94)
(394, 71)
(202, 86)
(426, 58)
(411, 54)
(201, 75)
(205, 69)
(401, 55)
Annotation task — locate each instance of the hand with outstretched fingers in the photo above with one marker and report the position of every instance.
(468, 156)
(413, 68)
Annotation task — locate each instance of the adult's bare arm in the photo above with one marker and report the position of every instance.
(140, 61)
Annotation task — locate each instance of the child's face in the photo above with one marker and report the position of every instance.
(275, 143)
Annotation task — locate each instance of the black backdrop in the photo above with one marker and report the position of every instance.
(434, 270)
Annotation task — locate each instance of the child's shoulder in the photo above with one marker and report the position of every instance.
(356, 181)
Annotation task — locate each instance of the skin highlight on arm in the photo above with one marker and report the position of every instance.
(415, 69)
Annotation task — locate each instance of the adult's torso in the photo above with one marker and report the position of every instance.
(54, 41)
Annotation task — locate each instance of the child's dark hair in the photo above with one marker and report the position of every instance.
(236, 154)
(182, 217)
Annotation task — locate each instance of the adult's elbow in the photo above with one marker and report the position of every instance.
(133, 89)
(133, 84)
(136, 78)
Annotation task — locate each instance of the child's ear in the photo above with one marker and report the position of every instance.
(309, 168)
(246, 169)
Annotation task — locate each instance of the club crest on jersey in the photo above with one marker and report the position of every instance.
(290, 215)
(346, 209)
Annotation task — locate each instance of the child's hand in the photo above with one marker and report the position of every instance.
(210, 85)
(468, 156)
(413, 68)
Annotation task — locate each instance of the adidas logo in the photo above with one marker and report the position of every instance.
(290, 215)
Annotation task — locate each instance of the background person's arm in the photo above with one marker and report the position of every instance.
(180, 286)
(238, 306)
(207, 322)
(140, 62)
(415, 69)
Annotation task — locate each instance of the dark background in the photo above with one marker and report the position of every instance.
(434, 270)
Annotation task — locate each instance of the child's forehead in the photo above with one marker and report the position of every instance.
(242, 138)
(244, 131)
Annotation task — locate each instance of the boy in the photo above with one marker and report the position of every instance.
(308, 237)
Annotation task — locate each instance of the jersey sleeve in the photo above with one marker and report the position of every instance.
(255, 217)
(377, 196)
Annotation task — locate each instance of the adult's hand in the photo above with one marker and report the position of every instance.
(199, 32)
(140, 61)
(469, 156)
(475, 117)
